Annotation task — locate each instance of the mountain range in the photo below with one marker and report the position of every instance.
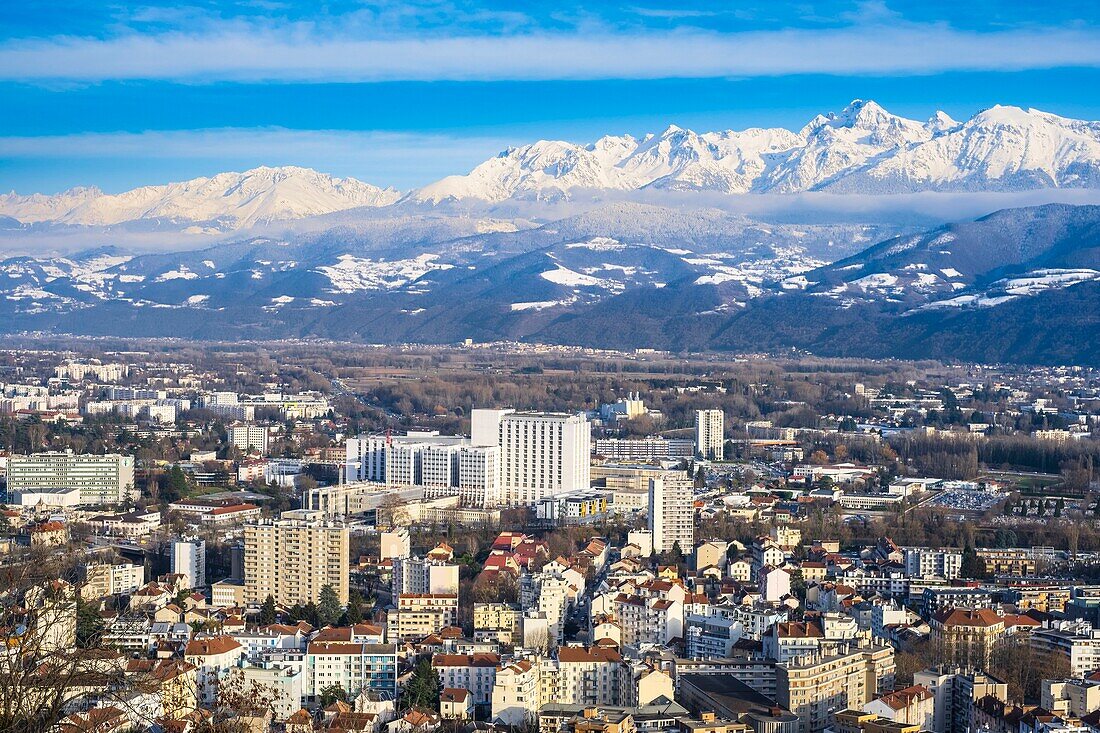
(564, 243)
(1019, 285)
(862, 149)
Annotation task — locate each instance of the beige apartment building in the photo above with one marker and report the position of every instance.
(814, 687)
(293, 557)
(420, 614)
(499, 622)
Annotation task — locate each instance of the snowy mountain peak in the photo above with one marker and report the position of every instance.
(863, 148)
(232, 200)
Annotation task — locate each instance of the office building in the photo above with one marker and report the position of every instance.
(672, 512)
(97, 479)
(293, 557)
(710, 434)
(189, 560)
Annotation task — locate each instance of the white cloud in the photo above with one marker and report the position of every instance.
(295, 53)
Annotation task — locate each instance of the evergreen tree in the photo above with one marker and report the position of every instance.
(972, 565)
(89, 625)
(328, 606)
(267, 611)
(175, 487)
(1059, 507)
(310, 615)
(423, 688)
(354, 612)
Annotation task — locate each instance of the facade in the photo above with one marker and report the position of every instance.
(250, 438)
(189, 560)
(106, 579)
(415, 575)
(354, 666)
(815, 687)
(499, 622)
(99, 479)
(541, 454)
(672, 512)
(921, 562)
(1080, 646)
(475, 673)
(420, 614)
(293, 557)
(710, 438)
(643, 449)
(967, 636)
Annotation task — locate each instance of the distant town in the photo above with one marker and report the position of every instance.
(308, 536)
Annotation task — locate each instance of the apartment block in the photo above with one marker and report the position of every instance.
(293, 557)
(710, 438)
(672, 512)
(97, 479)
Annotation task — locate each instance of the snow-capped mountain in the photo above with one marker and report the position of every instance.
(863, 149)
(230, 200)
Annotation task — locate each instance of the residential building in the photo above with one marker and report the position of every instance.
(924, 562)
(293, 557)
(814, 687)
(98, 479)
(189, 560)
(250, 438)
(420, 614)
(475, 673)
(107, 579)
(672, 512)
(967, 636)
(710, 437)
(352, 665)
(1079, 643)
(499, 622)
(214, 657)
(914, 705)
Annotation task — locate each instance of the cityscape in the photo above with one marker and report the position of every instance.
(472, 366)
(290, 537)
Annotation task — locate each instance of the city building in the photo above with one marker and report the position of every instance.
(189, 560)
(250, 438)
(710, 434)
(293, 557)
(672, 512)
(97, 479)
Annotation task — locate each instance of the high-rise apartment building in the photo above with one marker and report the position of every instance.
(672, 511)
(710, 434)
(106, 479)
(812, 688)
(293, 557)
(189, 560)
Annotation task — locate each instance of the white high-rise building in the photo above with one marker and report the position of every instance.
(710, 434)
(512, 457)
(478, 471)
(189, 560)
(99, 479)
(542, 454)
(250, 437)
(672, 512)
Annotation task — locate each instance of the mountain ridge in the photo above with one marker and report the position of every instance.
(863, 149)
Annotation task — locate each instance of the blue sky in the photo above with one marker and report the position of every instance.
(119, 95)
